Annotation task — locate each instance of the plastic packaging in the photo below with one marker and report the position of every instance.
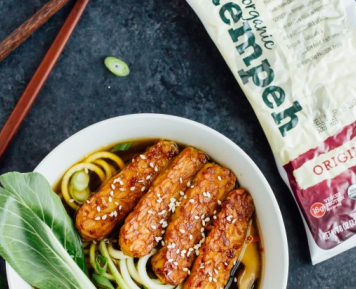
(296, 63)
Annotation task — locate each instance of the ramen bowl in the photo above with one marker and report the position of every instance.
(184, 131)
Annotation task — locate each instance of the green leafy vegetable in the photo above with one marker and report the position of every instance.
(101, 282)
(122, 147)
(101, 264)
(3, 283)
(37, 237)
(117, 66)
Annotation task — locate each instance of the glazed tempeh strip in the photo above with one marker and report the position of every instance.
(185, 232)
(144, 226)
(223, 245)
(102, 211)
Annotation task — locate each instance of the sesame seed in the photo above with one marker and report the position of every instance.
(185, 197)
(169, 246)
(156, 169)
(234, 263)
(170, 260)
(185, 269)
(115, 214)
(159, 201)
(219, 202)
(133, 160)
(162, 221)
(71, 200)
(192, 187)
(104, 217)
(202, 217)
(234, 221)
(143, 188)
(152, 165)
(177, 251)
(86, 171)
(132, 188)
(216, 271)
(188, 254)
(191, 249)
(210, 279)
(98, 208)
(158, 239)
(191, 200)
(163, 243)
(190, 237)
(143, 157)
(88, 201)
(228, 218)
(208, 194)
(173, 245)
(153, 227)
(164, 225)
(203, 223)
(225, 263)
(202, 230)
(120, 207)
(159, 195)
(215, 280)
(235, 279)
(214, 212)
(214, 217)
(181, 193)
(111, 214)
(182, 231)
(110, 199)
(188, 184)
(196, 217)
(180, 180)
(169, 273)
(175, 263)
(121, 182)
(150, 212)
(122, 189)
(188, 272)
(113, 186)
(163, 231)
(148, 177)
(211, 275)
(202, 266)
(162, 213)
(219, 178)
(207, 219)
(204, 194)
(97, 218)
(116, 203)
(112, 193)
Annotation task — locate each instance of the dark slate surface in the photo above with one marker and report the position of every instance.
(175, 69)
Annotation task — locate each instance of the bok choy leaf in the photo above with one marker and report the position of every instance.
(37, 237)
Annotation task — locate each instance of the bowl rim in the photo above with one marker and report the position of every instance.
(13, 277)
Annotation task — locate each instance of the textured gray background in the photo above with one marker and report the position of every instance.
(175, 69)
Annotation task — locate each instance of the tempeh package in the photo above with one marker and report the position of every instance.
(296, 63)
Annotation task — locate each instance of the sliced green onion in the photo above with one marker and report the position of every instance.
(122, 147)
(101, 264)
(102, 282)
(117, 66)
(79, 196)
(146, 280)
(80, 180)
(118, 278)
(93, 263)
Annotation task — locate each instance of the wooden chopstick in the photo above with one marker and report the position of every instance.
(34, 87)
(29, 26)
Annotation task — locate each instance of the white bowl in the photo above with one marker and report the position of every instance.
(189, 132)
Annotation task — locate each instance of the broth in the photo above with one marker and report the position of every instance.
(250, 262)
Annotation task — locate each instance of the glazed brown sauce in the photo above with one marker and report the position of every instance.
(252, 261)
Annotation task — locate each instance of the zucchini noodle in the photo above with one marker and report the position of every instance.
(115, 273)
(65, 181)
(105, 155)
(126, 275)
(146, 280)
(132, 270)
(94, 163)
(116, 253)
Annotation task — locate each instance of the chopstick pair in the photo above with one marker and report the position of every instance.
(34, 87)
